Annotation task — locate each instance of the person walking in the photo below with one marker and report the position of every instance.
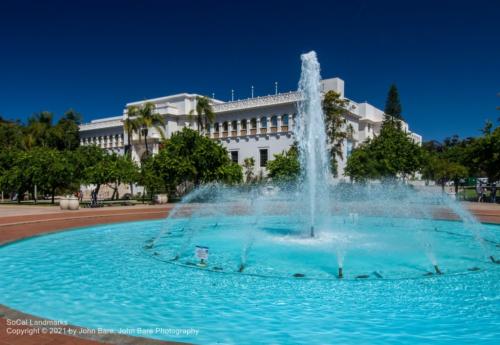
(479, 192)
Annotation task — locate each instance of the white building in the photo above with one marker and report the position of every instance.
(258, 127)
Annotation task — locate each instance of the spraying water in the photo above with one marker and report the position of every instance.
(385, 228)
(311, 136)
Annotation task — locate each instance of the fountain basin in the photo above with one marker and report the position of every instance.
(102, 277)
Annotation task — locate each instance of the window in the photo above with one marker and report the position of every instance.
(253, 123)
(274, 121)
(234, 125)
(224, 126)
(216, 127)
(284, 120)
(209, 127)
(234, 156)
(263, 122)
(263, 157)
(244, 125)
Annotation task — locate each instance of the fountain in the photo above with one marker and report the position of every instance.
(309, 228)
(311, 136)
(232, 262)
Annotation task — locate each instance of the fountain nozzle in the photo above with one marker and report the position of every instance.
(312, 231)
(438, 271)
(341, 273)
(241, 268)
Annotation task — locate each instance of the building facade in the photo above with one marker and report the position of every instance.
(257, 127)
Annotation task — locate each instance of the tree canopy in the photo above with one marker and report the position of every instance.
(285, 167)
(337, 127)
(391, 154)
(188, 157)
(393, 108)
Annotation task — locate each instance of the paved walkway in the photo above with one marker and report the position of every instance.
(17, 222)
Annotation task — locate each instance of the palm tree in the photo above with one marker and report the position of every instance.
(39, 126)
(148, 118)
(131, 125)
(204, 113)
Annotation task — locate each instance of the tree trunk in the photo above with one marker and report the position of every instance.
(146, 142)
(129, 151)
(53, 194)
(97, 191)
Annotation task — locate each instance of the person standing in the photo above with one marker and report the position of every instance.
(494, 193)
(479, 192)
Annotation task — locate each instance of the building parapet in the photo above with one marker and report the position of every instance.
(256, 102)
(101, 124)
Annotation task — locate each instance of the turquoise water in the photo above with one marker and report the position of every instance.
(103, 277)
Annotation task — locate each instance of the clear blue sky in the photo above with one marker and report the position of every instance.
(94, 56)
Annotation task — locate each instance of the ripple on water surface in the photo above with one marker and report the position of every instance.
(102, 277)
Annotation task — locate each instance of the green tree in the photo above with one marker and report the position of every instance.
(149, 178)
(338, 130)
(131, 125)
(187, 157)
(442, 170)
(393, 109)
(38, 130)
(112, 170)
(361, 166)
(285, 167)
(204, 113)
(148, 118)
(46, 168)
(249, 166)
(484, 153)
(49, 170)
(66, 133)
(391, 154)
(11, 135)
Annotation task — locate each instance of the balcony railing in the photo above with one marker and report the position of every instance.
(244, 132)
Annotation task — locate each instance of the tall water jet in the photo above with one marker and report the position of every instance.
(311, 137)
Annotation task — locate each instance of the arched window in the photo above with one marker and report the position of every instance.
(216, 127)
(244, 125)
(274, 121)
(263, 122)
(234, 125)
(225, 126)
(253, 123)
(284, 120)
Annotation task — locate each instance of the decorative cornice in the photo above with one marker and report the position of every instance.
(98, 125)
(256, 102)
